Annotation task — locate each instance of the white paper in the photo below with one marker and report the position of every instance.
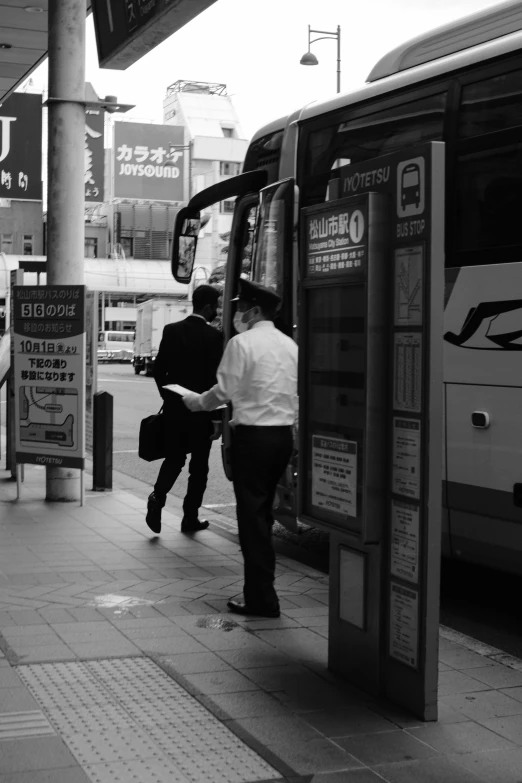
(177, 389)
(174, 387)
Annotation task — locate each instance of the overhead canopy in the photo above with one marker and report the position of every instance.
(23, 30)
(135, 278)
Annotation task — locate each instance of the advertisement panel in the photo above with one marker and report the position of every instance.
(21, 147)
(144, 164)
(94, 155)
(49, 374)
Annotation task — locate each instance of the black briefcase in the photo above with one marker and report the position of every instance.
(152, 437)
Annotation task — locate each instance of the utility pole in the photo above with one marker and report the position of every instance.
(65, 180)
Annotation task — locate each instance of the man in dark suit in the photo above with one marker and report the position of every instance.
(189, 355)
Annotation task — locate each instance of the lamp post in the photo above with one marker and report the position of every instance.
(173, 148)
(310, 59)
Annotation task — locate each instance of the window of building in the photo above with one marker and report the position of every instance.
(128, 246)
(28, 245)
(6, 243)
(91, 247)
(227, 169)
(228, 132)
(493, 104)
(227, 206)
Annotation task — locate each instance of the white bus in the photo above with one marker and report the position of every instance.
(461, 84)
(115, 346)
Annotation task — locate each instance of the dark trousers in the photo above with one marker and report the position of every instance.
(259, 456)
(199, 449)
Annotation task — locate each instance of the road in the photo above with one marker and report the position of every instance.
(476, 601)
(135, 397)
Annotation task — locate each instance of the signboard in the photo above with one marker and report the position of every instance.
(337, 239)
(141, 153)
(128, 29)
(49, 374)
(21, 147)
(94, 155)
(406, 457)
(404, 541)
(334, 475)
(408, 286)
(404, 624)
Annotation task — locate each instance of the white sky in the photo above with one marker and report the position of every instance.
(254, 47)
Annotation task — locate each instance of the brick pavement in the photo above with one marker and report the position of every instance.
(85, 591)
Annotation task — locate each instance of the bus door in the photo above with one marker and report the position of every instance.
(239, 264)
(275, 265)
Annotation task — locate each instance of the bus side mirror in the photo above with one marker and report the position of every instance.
(186, 229)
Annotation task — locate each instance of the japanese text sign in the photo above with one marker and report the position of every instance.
(94, 155)
(336, 239)
(147, 161)
(21, 147)
(49, 374)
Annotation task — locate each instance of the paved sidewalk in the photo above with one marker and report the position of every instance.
(120, 662)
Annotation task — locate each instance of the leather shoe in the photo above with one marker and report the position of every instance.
(238, 608)
(194, 527)
(153, 518)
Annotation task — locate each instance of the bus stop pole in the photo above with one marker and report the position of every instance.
(65, 180)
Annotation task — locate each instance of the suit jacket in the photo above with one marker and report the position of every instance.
(189, 354)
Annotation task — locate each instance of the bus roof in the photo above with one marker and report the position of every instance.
(471, 30)
(440, 62)
(269, 128)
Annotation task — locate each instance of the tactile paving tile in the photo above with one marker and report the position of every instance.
(136, 771)
(127, 720)
(21, 725)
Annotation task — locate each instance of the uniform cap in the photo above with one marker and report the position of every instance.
(257, 294)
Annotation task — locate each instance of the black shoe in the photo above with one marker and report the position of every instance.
(239, 608)
(153, 518)
(188, 526)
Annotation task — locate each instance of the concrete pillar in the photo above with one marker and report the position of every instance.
(65, 178)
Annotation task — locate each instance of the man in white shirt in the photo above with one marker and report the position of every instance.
(258, 375)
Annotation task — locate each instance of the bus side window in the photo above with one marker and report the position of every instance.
(494, 104)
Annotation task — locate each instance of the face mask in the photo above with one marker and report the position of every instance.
(239, 325)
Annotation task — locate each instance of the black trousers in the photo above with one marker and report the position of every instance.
(198, 446)
(259, 456)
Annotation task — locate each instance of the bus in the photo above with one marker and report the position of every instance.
(115, 346)
(460, 84)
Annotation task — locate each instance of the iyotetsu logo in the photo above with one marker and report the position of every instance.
(5, 136)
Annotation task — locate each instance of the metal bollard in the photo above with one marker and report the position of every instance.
(102, 441)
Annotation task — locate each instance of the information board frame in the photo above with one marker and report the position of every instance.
(371, 280)
(49, 362)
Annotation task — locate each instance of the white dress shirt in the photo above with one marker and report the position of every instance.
(258, 375)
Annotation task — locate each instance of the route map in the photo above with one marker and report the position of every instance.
(48, 415)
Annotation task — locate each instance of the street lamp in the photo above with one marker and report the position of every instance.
(310, 59)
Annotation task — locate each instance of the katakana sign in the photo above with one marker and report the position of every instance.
(21, 147)
(94, 155)
(128, 29)
(147, 161)
(49, 374)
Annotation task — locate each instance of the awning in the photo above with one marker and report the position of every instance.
(118, 276)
